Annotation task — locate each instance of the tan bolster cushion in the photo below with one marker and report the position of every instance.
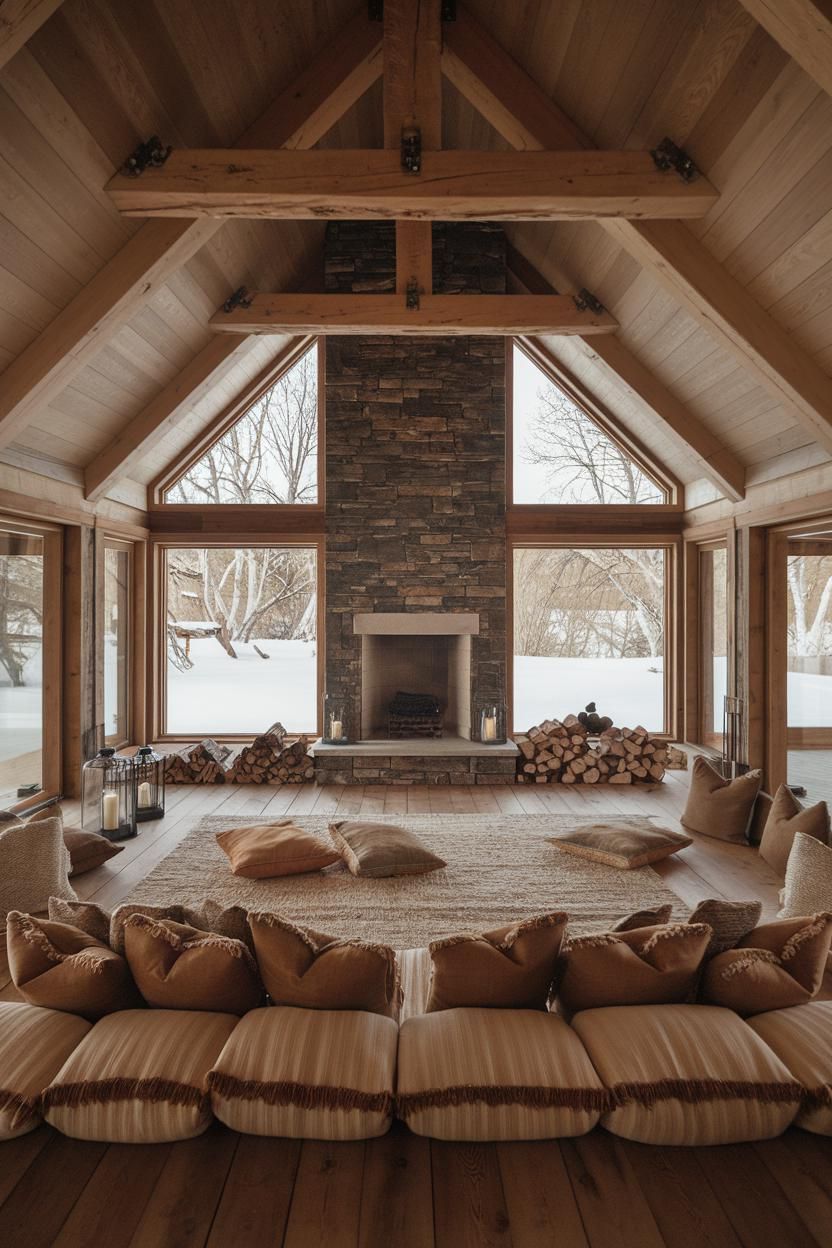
(687, 1074)
(802, 1039)
(34, 1044)
(307, 1074)
(139, 1077)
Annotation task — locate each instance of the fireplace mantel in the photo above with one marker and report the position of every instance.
(416, 623)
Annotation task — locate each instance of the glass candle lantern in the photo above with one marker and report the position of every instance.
(108, 797)
(492, 723)
(149, 782)
(335, 721)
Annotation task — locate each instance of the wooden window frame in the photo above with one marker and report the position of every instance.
(695, 629)
(52, 671)
(106, 541)
(671, 543)
(160, 543)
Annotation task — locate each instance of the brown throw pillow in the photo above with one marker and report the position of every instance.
(509, 968)
(84, 915)
(377, 850)
(62, 968)
(88, 850)
(644, 918)
(720, 808)
(729, 921)
(207, 915)
(786, 818)
(650, 966)
(261, 851)
(307, 969)
(178, 967)
(622, 846)
(776, 966)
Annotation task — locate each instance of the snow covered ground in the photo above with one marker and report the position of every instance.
(810, 700)
(21, 712)
(220, 694)
(626, 689)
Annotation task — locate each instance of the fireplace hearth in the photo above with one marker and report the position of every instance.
(414, 715)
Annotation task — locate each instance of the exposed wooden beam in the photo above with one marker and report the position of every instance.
(298, 118)
(19, 19)
(666, 249)
(388, 314)
(161, 414)
(412, 73)
(803, 28)
(714, 460)
(370, 184)
(414, 256)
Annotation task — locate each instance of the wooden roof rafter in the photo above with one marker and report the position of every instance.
(19, 20)
(803, 28)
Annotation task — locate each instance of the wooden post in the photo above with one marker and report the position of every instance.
(747, 584)
(82, 731)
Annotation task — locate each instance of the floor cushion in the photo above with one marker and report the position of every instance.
(378, 850)
(34, 865)
(485, 1074)
(626, 846)
(802, 1038)
(139, 1077)
(687, 1074)
(34, 1044)
(786, 818)
(718, 807)
(307, 1074)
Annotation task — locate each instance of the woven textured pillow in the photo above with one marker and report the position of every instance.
(649, 966)
(34, 865)
(729, 921)
(509, 968)
(264, 850)
(307, 969)
(808, 886)
(786, 818)
(178, 967)
(84, 915)
(378, 850)
(621, 845)
(720, 808)
(644, 918)
(207, 915)
(62, 968)
(778, 965)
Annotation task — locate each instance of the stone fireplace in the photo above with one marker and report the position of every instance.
(415, 491)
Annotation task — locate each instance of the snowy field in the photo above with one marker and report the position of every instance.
(247, 694)
(625, 689)
(810, 700)
(21, 712)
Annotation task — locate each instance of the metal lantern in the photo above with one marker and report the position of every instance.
(491, 722)
(108, 800)
(149, 782)
(336, 725)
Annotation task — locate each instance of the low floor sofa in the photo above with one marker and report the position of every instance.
(664, 1074)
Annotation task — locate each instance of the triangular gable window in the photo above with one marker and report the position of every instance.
(561, 455)
(270, 453)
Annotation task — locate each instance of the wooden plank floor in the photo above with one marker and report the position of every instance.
(402, 1191)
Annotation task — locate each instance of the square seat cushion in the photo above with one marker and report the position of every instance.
(139, 1077)
(802, 1038)
(484, 1074)
(34, 1044)
(378, 850)
(625, 845)
(307, 1074)
(687, 1074)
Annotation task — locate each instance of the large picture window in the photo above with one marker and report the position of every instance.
(713, 639)
(115, 633)
(241, 629)
(589, 625)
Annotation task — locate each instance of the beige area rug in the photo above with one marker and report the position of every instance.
(500, 869)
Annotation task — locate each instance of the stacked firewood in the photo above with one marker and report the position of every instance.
(556, 752)
(203, 763)
(270, 760)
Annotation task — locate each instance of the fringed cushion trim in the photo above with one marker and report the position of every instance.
(818, 1098)
(586, 1099)
(749, 958)
(598, 941)
(696, 1091)
(557, 919)
(102, 1091)
(19, 1107)
(303, 1095)
(275, 920)
(679, 930)
(24, 925)
(345, 850)
(159, 930)
(815, 927)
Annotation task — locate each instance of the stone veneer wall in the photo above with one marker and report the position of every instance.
(415, 459)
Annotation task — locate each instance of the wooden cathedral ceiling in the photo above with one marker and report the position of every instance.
(99, 76)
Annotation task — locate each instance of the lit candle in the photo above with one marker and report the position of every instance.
(489, 728)
(337, 730)
(144, 796)
(109, 811)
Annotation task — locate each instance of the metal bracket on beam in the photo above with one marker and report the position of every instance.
(448, 10)
(240, 299)
(151, 154)
(375, 10)
(412, 149)
(585, 301)
(412, 296)
(668, 156)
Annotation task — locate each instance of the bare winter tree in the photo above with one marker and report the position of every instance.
(810, 593)
(21, 612)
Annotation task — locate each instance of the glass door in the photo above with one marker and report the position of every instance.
(713, 642)
(115, 636)
(809, 671)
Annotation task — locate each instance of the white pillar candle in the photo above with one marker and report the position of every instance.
(109, 811)
(144, 795)
(489, 728)
(337, 730)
